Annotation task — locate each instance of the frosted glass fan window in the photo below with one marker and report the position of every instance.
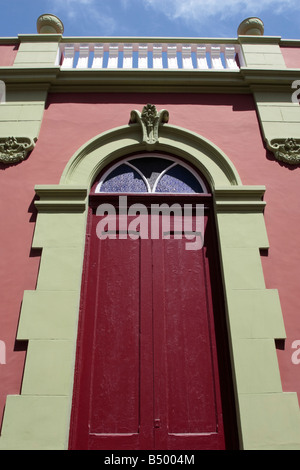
(151, 174)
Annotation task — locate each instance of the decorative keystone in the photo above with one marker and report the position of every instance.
(286, 150)
(14, 150)
(150, 120)
(49, 24)
(251, 27)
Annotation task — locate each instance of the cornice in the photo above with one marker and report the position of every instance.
(149, 39)
(9, 40)
(290, 42)
(259, 39)
(39, 37)
(184, 81)
(90, 80)
(241, 198)
(28, 75)
(244, 80)
(266, 79)
(61, 198)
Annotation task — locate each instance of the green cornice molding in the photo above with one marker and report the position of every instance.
(25, 76)
(59, 38)
(269, 80)
(290, 43)
(259, 39)
(26, 88)
(271, 75)
(106, 80)
(9, 40)
(151, 80)
(61, 198)
(243, 39)
(143, 40)
(183, 81)
(39, 38)
(240, 198)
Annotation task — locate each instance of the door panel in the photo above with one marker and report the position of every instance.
(146, 371)
(113, 393)
(188, 402)
(116, 355)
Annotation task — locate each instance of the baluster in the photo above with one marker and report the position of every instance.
(230, 57)
(98, 56)
(127, 56)
(68, 56)
(187, 62)
(143, 56)
(113, 56)
(202, 63)
(83, 60)
(2, 352)
(157, 56)
(172, 56)
(58, 56)
(216, 61)
(2, 92)
(201, 57)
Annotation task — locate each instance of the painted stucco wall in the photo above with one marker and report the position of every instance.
(70, 120)
(8, 54)
(291, 56)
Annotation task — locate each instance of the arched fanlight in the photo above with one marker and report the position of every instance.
(151, 174)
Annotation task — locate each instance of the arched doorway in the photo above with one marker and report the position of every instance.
(152, 367)
(253, 312)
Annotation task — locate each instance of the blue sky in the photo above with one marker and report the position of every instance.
(168, 18)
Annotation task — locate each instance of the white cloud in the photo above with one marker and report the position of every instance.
(200, 10)
(86, 14)
(134, 17)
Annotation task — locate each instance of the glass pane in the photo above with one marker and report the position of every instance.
(123, 180)
(178, 180)
(151, 167)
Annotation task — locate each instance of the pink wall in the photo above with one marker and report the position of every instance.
(291, 56)
(229, 121)
(7, 54)
(18, 268)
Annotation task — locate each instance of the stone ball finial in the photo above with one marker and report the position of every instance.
(251, 27)
(49, 24)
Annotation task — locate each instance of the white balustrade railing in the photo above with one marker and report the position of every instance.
(149, 56)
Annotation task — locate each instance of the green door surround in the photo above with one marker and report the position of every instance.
(39, 417)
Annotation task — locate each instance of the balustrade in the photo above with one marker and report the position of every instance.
(170, 56)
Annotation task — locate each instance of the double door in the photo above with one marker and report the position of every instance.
(147, 374)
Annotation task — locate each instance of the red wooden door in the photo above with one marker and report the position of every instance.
(147, 370)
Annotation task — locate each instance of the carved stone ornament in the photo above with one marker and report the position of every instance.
(49, 24)
(251, 27)
(150, 120)
(286, 150)
(15, 149)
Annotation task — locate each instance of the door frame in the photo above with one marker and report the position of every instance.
(253, 313)
(220, 347)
